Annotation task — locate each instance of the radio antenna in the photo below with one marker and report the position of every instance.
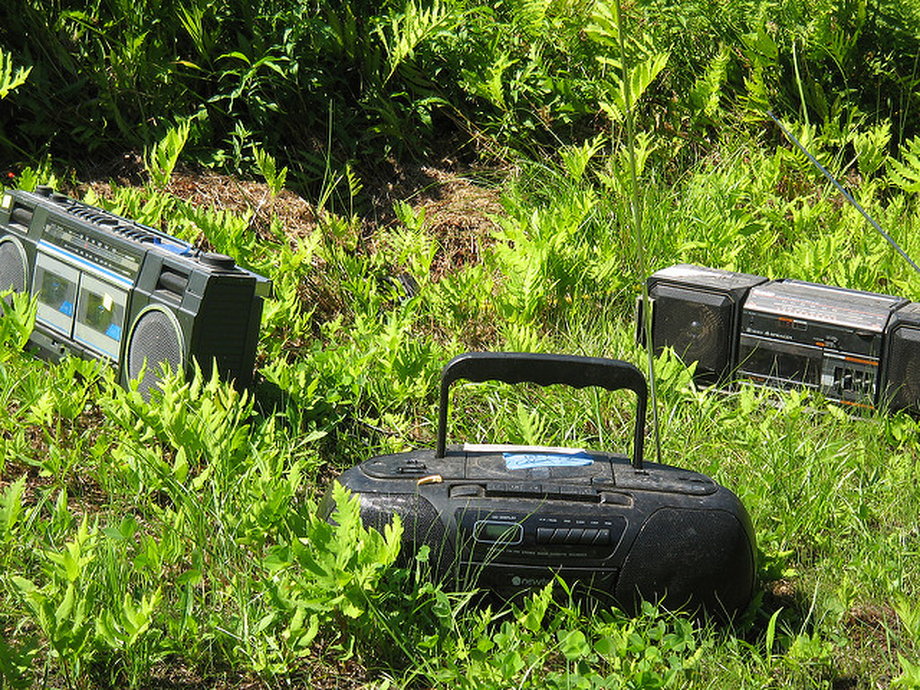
(637, 224)
(846, 194)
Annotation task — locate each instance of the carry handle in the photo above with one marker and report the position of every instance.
(545, 370)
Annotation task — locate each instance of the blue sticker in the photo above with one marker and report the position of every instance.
(66, 308)
(113, 331)
(526, 461)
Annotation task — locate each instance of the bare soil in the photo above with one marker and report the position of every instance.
(459, 204)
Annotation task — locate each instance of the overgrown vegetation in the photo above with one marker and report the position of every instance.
(320, 81)
(176, 541)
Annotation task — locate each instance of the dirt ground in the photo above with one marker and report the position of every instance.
(459, 204)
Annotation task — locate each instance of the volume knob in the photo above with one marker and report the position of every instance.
(216, 260)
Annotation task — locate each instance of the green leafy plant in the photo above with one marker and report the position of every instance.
(160, 160)
(604, 29)
(61, 606)
(11, 80)
(17, 319)
(333, 569)
(274, 177)
(608, 650)
(904, 172)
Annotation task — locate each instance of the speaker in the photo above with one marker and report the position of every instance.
(14, 265)
(17, 245)
(902, 374)
(658, 567)
(156, 338)
(696, 312)
(421, 525)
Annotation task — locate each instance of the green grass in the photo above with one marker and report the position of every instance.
(145, 540)
(177, 541)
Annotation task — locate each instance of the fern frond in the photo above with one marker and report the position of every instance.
(647, 63)
(604, 26)
(160, 160)
(640, 78)
(9, 79)
(707, 91)
(870, 147)
(406, 31)
(905, 173)
(531, 15)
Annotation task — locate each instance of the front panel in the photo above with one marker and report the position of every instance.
(112, 289)
(824, 338)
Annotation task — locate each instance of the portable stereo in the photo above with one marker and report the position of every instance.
(857, 348)
(510, 518)
(109, 288)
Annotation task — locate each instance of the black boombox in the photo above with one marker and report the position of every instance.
(510, 518)
(109, 288)
(856, 348)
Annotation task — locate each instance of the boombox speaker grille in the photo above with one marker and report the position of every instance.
(903, 378)
(12, 266)
(696, 324)
(155, 338)
(659, 567)
(420, 521)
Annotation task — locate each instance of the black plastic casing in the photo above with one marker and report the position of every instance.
(167, 300)
(857, 348)
(509, 519)
(696, 310)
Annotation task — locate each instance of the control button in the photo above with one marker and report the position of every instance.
(545, 535)
(616, 498)
(515, 489)
(575, 536)
(601, 536)
(551, 535)
(577, 491)
(569, 492)
(217, 260)
(467, 491)
(412, 466)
